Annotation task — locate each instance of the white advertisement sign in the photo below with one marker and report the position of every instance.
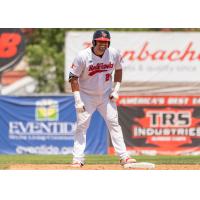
(149, 56)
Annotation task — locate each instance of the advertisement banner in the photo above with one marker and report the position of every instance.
(12, 47)
(171, 57)
(165, 125)
(45, 125)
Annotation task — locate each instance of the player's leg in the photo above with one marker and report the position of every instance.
(83, 121)
(108, 110)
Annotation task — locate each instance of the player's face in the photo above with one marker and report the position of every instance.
(101, 46)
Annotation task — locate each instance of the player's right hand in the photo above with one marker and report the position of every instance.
(80, 107)
(114, 96)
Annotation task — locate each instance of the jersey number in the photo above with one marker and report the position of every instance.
(108, 77)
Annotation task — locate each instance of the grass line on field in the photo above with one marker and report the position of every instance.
(93, 159)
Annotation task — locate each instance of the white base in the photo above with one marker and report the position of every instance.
(140, 165)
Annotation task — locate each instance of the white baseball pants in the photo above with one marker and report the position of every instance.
(108, 110)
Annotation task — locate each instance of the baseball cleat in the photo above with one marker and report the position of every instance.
(77, 164)
(127, 161)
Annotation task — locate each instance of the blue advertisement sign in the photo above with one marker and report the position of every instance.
(45, 125)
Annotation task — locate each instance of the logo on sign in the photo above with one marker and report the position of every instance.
(12, 47)
(170, 118)
(47, 110)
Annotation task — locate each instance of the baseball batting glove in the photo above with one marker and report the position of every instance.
(79, 105)
(114, 94)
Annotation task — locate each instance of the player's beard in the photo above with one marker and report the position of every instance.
(99, 50)
(102, 49)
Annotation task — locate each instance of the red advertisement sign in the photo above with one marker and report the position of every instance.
(165, 125)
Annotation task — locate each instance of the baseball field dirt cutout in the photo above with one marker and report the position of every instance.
(100, 167)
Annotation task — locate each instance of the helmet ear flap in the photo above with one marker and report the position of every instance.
(93, 43)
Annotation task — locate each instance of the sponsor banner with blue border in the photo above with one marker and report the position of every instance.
(45, 125)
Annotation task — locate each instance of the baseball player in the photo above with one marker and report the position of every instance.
(91, 82)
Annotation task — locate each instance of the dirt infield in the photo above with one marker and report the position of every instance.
(95, 167)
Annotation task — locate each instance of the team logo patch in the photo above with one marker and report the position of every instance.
(99, 67)
(72, 66)
(47, 110)
(104, 35)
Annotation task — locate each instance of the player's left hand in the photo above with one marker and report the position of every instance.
(80, 107)
(114, 96)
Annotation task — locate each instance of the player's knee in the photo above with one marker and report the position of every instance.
(82, 126)
(112, 121)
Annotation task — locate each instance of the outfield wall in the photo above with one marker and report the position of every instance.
(152, 125)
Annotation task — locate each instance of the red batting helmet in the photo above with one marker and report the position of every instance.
(101, 35)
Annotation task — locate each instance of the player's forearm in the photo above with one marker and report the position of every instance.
(74, 84)
(118, 75)
(117, 79)
(79, 105)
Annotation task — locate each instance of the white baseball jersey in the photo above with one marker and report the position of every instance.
(94, 72)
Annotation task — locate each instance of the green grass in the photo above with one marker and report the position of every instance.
(6, 160)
